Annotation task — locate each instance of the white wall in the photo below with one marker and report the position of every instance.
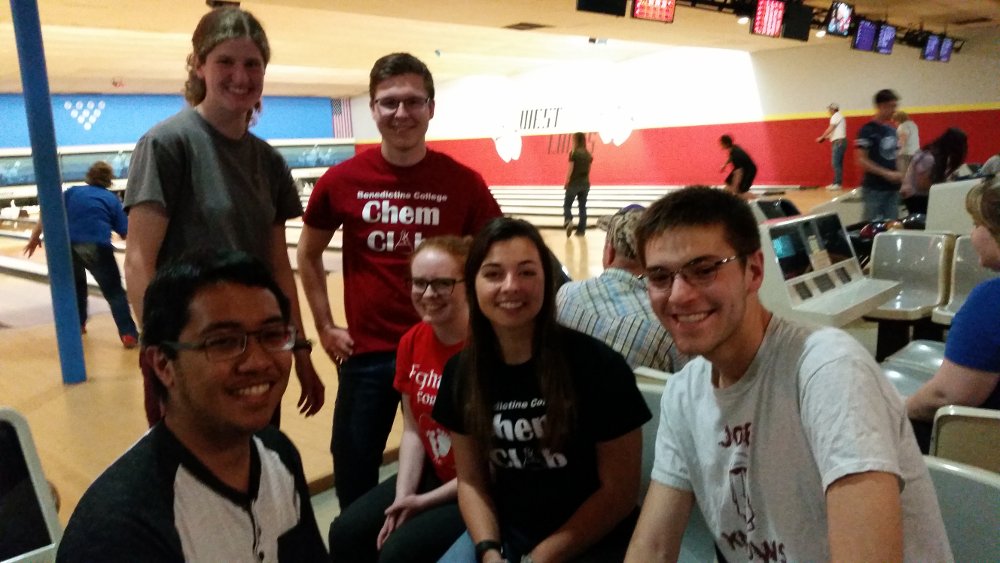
(696, 86)
(806, 79)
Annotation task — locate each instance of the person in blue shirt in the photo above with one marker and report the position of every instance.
(92, 212)
(970, 373)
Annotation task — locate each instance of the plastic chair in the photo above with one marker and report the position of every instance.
(904, 379)
(29, 524)
(967, 435)
(969, 498)
(921, 263)
(697, 545)
(966, 273)
(921, 358)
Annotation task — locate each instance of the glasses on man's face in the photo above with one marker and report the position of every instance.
(699, 272)
(231, 345)
(440, 286)
(391, 105)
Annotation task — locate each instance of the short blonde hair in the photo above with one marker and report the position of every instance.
(901, 116)
(983, 203)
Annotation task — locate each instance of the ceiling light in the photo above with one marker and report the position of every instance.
(743, 20)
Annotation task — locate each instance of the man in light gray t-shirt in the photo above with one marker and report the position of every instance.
(789, 438)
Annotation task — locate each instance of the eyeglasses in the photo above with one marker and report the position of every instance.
(232, 345)
(441, 286)
(699, 272)
(391, 105)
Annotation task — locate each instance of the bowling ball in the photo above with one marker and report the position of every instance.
(893, 225)
(871, 229)
(916, 221)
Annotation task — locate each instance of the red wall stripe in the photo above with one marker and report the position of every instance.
(786, 152)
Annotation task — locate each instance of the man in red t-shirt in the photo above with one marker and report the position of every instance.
(387, 200)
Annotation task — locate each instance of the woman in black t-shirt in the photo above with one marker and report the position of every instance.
(545, 422)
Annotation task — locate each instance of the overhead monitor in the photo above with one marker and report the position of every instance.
(838, 20)
(864, 37)
(797, 22)
(610, 7)
(947, 46)
(885, 40)
(654, 10)
(29, 527)
(768, 18)
(932, 48)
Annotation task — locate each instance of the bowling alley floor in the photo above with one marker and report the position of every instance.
(80, 429)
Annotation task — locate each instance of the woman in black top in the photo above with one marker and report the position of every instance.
(577, 184)
(545, 422)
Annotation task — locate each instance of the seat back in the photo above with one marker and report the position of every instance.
(651, 392)
(967, 435)
(945, 211)
(920, 261)
(29, 526)
(697, 544)
(966, 273)
(969, 498)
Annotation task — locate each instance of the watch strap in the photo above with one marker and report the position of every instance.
(485, 546)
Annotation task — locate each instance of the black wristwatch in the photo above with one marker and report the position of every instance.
(487, 545)
(304, 344)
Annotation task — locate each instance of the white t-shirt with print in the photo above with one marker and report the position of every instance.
(813, 407)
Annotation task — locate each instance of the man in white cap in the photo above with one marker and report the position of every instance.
(837, 134)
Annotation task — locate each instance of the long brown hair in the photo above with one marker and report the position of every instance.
(479, 361)
(217, 26)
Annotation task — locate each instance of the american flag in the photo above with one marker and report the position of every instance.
(342, 126)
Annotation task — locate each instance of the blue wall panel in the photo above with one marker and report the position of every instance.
(295, 118)
(93, 119)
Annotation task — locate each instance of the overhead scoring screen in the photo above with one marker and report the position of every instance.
(839, 19)
(886, 38)
(931, 48)
(864, 37)
(654, 10)
(947, 45)
(768, 18)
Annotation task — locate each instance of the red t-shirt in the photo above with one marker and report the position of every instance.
(419, 363)
(385, 212)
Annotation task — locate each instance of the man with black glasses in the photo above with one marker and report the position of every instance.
(790, 439)
(211, 481)
(386, 200)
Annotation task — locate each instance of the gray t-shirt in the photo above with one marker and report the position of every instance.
(813, 407)
(218, 192)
